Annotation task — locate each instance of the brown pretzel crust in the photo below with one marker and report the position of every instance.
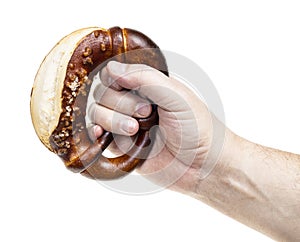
(70, 139)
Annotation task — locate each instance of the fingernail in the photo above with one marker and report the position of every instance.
(128, 126)
(116, 68)
(97, 131)
(143, 109)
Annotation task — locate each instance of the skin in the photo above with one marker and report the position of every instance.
(262, 184)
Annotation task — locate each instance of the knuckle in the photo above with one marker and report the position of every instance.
(107, 122)
(96, 92)
(91, 111)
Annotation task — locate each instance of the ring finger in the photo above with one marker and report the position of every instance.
(112, 121)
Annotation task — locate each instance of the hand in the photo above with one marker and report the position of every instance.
(184, 138)
(256, 185)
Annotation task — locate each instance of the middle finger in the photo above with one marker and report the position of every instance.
(122, 101)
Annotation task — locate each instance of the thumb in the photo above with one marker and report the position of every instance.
(164, 91)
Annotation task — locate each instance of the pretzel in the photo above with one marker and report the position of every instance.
(61, 89)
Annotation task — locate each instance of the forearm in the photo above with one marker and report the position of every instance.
(258, 186)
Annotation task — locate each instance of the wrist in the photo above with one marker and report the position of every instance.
(220, 162)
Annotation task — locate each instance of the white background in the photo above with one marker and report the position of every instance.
(250, 50)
